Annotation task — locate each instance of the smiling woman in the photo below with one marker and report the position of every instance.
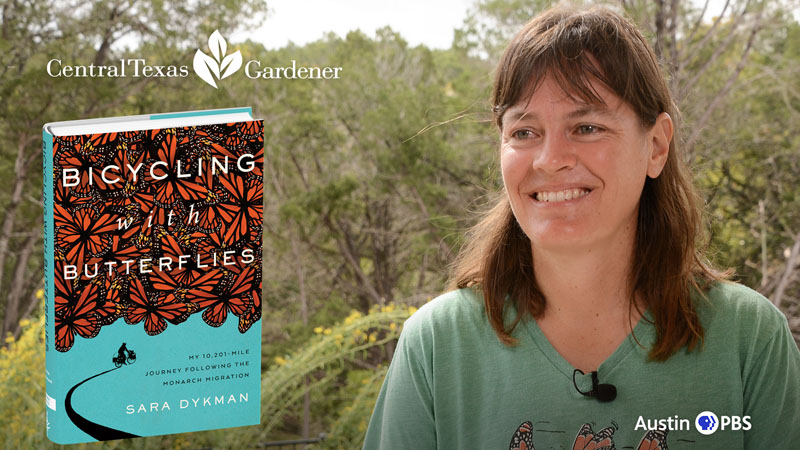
(583, 313)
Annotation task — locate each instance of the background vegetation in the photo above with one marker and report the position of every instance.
(372, 179)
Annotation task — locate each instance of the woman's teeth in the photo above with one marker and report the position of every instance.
(560, 196)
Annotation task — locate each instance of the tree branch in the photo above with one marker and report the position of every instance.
(698, 127)
(786, 279)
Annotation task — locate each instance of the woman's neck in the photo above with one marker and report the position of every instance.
(588, 283)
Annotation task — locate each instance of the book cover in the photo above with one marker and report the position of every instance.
(153, 280)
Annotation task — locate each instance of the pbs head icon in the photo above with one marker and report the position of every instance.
(708, 423)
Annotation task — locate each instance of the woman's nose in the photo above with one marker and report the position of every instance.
(556, 153)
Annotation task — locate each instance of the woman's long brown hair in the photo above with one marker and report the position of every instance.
(575, 48)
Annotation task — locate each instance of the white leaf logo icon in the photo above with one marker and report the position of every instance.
(219, 66)
(217, 45)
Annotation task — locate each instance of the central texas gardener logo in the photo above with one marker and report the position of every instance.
(219, 66)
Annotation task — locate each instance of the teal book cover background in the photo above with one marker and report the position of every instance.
(153, 281)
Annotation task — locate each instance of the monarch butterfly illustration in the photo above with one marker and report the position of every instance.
(203, 288)
(186, 272)
(131, 136)
(126, 173)
(109, 306)
(231, 298)
(258, 160)
(163, 176)
(249, 130)
(71, 157)
(653, 440)
(68, 292)
(153, 309)
(101, 139)
(143, 209)
(65, 202)
(251, 316)
(118, 252)
(588, 440)
(86, 234)
(209, 209)
(243, 209)
(523, 437)
(78, 318)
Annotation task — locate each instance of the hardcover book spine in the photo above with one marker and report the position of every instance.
(51, 387)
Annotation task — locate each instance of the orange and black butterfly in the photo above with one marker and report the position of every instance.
(258, 162)
(125, 173)
(102, 139)
(205, 215)
(77, 318)
(131, 136)
(243, 209)
(153, 309)
(203, 289)
(251, 316)
(87, 234)
(250, 130)
(67, 291)
(166, 178)
(187, 284)
(119, 252)
(588, 440)
(232, 298)
(71, 157)
(654, 440)
(109, 305)
(214, 243)
(179, 248)
(522, 438)
(64, 201)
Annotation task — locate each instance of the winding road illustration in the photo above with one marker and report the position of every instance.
(95, 430)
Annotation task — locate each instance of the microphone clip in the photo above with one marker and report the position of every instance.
(603, 392)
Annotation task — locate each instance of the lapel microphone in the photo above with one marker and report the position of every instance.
(602, 392)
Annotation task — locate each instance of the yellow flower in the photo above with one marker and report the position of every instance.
(392, 326)
(318, 330)
(327, 331)
(372, 337)
(412, 310)
(39, 294)
(280, 361)
(352, 317)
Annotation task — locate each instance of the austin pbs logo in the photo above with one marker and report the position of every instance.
(708, 423)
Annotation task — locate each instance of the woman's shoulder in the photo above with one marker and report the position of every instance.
(738, 309)
(741, 301)
(455, 312)
(453, 306)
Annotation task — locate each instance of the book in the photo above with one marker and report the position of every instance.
(153, 235)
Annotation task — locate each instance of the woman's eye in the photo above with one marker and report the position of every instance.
(522, 134)
(588, 129)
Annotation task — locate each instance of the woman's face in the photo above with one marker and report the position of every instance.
(574, 171)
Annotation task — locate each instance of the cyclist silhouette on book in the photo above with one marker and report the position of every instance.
(124, 356)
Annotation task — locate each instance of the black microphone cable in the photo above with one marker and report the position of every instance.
(603, 392)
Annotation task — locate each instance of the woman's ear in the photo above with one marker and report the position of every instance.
(660, 135)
